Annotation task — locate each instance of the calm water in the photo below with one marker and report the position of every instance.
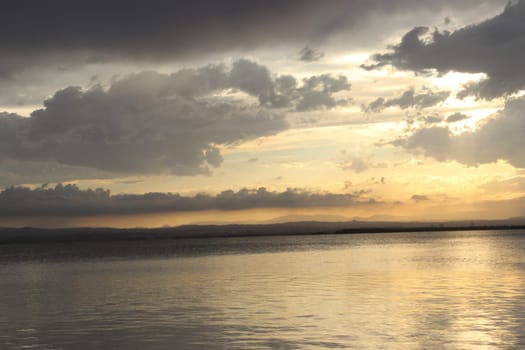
(461, 290)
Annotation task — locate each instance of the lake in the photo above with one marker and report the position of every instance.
(439, 290)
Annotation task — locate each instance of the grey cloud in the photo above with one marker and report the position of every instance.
(431, 119)
(456, 117)
(15, 172)
(154, 123)
(433, 142)
(499, 138)
(130, 182)
(214, 157)
(502, 185)
(409, 99)
(283, 91)
(65, 200)
(495, 47)
(376, 105)
(420, 198)
(317, 91)
(357, 165)
(252, 78)
(144, 123)
(309, 54)
(63, 32)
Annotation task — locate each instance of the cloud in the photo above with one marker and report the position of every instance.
(420, 198)
(431, 119)
(357, 165)
(308, 54)
(409, 99)
(69, 200)
(62, 32)
(16, 172)
(494, 47)
(500, 137)
(317, 92)
(504, 185)
(132, 131)
(283, 91)
(456, 117)
(162, 123)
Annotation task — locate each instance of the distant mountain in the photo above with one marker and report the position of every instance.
(299, 218)
(381, 218)
(281, 220)
(31, 235)
(310, 218)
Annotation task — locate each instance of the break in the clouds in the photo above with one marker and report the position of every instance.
(64, 200)
(495, 47)
(409, 99)
(61, 32)
(157, 123)
(498, 138)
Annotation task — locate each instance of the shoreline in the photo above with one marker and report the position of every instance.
(28, 235)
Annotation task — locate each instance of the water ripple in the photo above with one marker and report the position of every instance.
(395, 291)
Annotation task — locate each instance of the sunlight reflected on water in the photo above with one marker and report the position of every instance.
(395, 291)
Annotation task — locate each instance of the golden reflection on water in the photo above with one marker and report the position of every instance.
(431, 291)
(459, 299)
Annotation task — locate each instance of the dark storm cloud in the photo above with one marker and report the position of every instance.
(66, 200)
(409, 99)
(62, 32)
(155, 123)
(499, 138)
(495, 47)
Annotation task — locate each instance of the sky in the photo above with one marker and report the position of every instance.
(154, 113)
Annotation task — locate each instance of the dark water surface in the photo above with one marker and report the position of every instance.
(440, 290)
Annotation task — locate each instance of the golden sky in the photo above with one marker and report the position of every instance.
(414, 114)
